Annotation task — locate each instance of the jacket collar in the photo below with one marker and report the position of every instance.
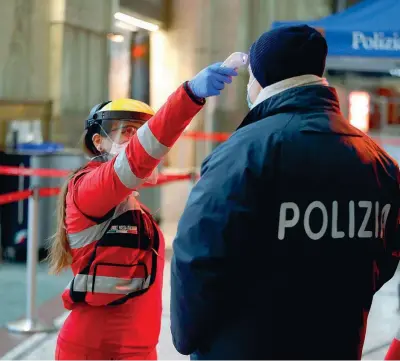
(313, 98)
(286, 84)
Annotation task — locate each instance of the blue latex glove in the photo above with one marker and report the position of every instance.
(211, 80)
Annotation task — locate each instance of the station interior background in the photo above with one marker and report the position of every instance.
(60, 57)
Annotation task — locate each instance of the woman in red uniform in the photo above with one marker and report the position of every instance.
(110, 241)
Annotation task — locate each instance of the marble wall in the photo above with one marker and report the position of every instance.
(24, 43)
(79, 55)
(58, 50)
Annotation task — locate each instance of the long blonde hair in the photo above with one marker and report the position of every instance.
(59, 256)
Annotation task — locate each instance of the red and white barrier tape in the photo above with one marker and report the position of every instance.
(216, 137)
(61, 173)
(49, 192)
(39, 172)
(168, 178)
(15, 196)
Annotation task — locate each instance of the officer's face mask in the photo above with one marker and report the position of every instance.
(249, 85)
(253, 89)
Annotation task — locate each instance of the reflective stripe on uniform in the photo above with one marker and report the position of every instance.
(88, 235)
(96, 232)
(150, 143)
(104, 284)
(124, 172)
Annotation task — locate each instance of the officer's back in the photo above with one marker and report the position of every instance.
(331, 196)
(315, 240)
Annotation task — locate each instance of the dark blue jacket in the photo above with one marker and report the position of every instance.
(286, 237)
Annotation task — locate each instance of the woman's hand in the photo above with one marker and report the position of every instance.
(211, 80)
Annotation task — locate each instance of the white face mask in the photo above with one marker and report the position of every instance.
(249, 85)
(117, 148)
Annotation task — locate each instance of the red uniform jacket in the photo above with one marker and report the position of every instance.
(99, 196)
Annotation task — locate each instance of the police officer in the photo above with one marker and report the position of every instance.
(290, 230)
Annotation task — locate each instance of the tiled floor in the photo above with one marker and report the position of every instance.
(13, 300)
(42, 346)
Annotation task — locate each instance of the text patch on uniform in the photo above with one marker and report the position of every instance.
(352, 219)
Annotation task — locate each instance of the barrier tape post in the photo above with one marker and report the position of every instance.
(31, 324)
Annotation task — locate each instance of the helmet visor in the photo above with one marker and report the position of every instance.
(120, 131)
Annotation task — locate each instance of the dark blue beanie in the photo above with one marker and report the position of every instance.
(287, 52)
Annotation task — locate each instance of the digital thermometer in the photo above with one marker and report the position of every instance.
(235, 60)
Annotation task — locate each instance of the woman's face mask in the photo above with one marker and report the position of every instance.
(119, 144)
(117, 148)
(116, 135)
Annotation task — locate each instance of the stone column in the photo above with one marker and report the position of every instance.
(78, 63)
(25, 46)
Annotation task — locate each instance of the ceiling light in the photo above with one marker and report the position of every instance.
(125, 26)
(135, 22)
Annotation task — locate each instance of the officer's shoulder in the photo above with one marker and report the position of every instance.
(252, 137)
(249, 146)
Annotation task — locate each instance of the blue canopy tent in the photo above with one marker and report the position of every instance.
(365, 37)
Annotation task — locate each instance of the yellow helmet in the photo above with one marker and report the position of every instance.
(119, 109)
(128, 105)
